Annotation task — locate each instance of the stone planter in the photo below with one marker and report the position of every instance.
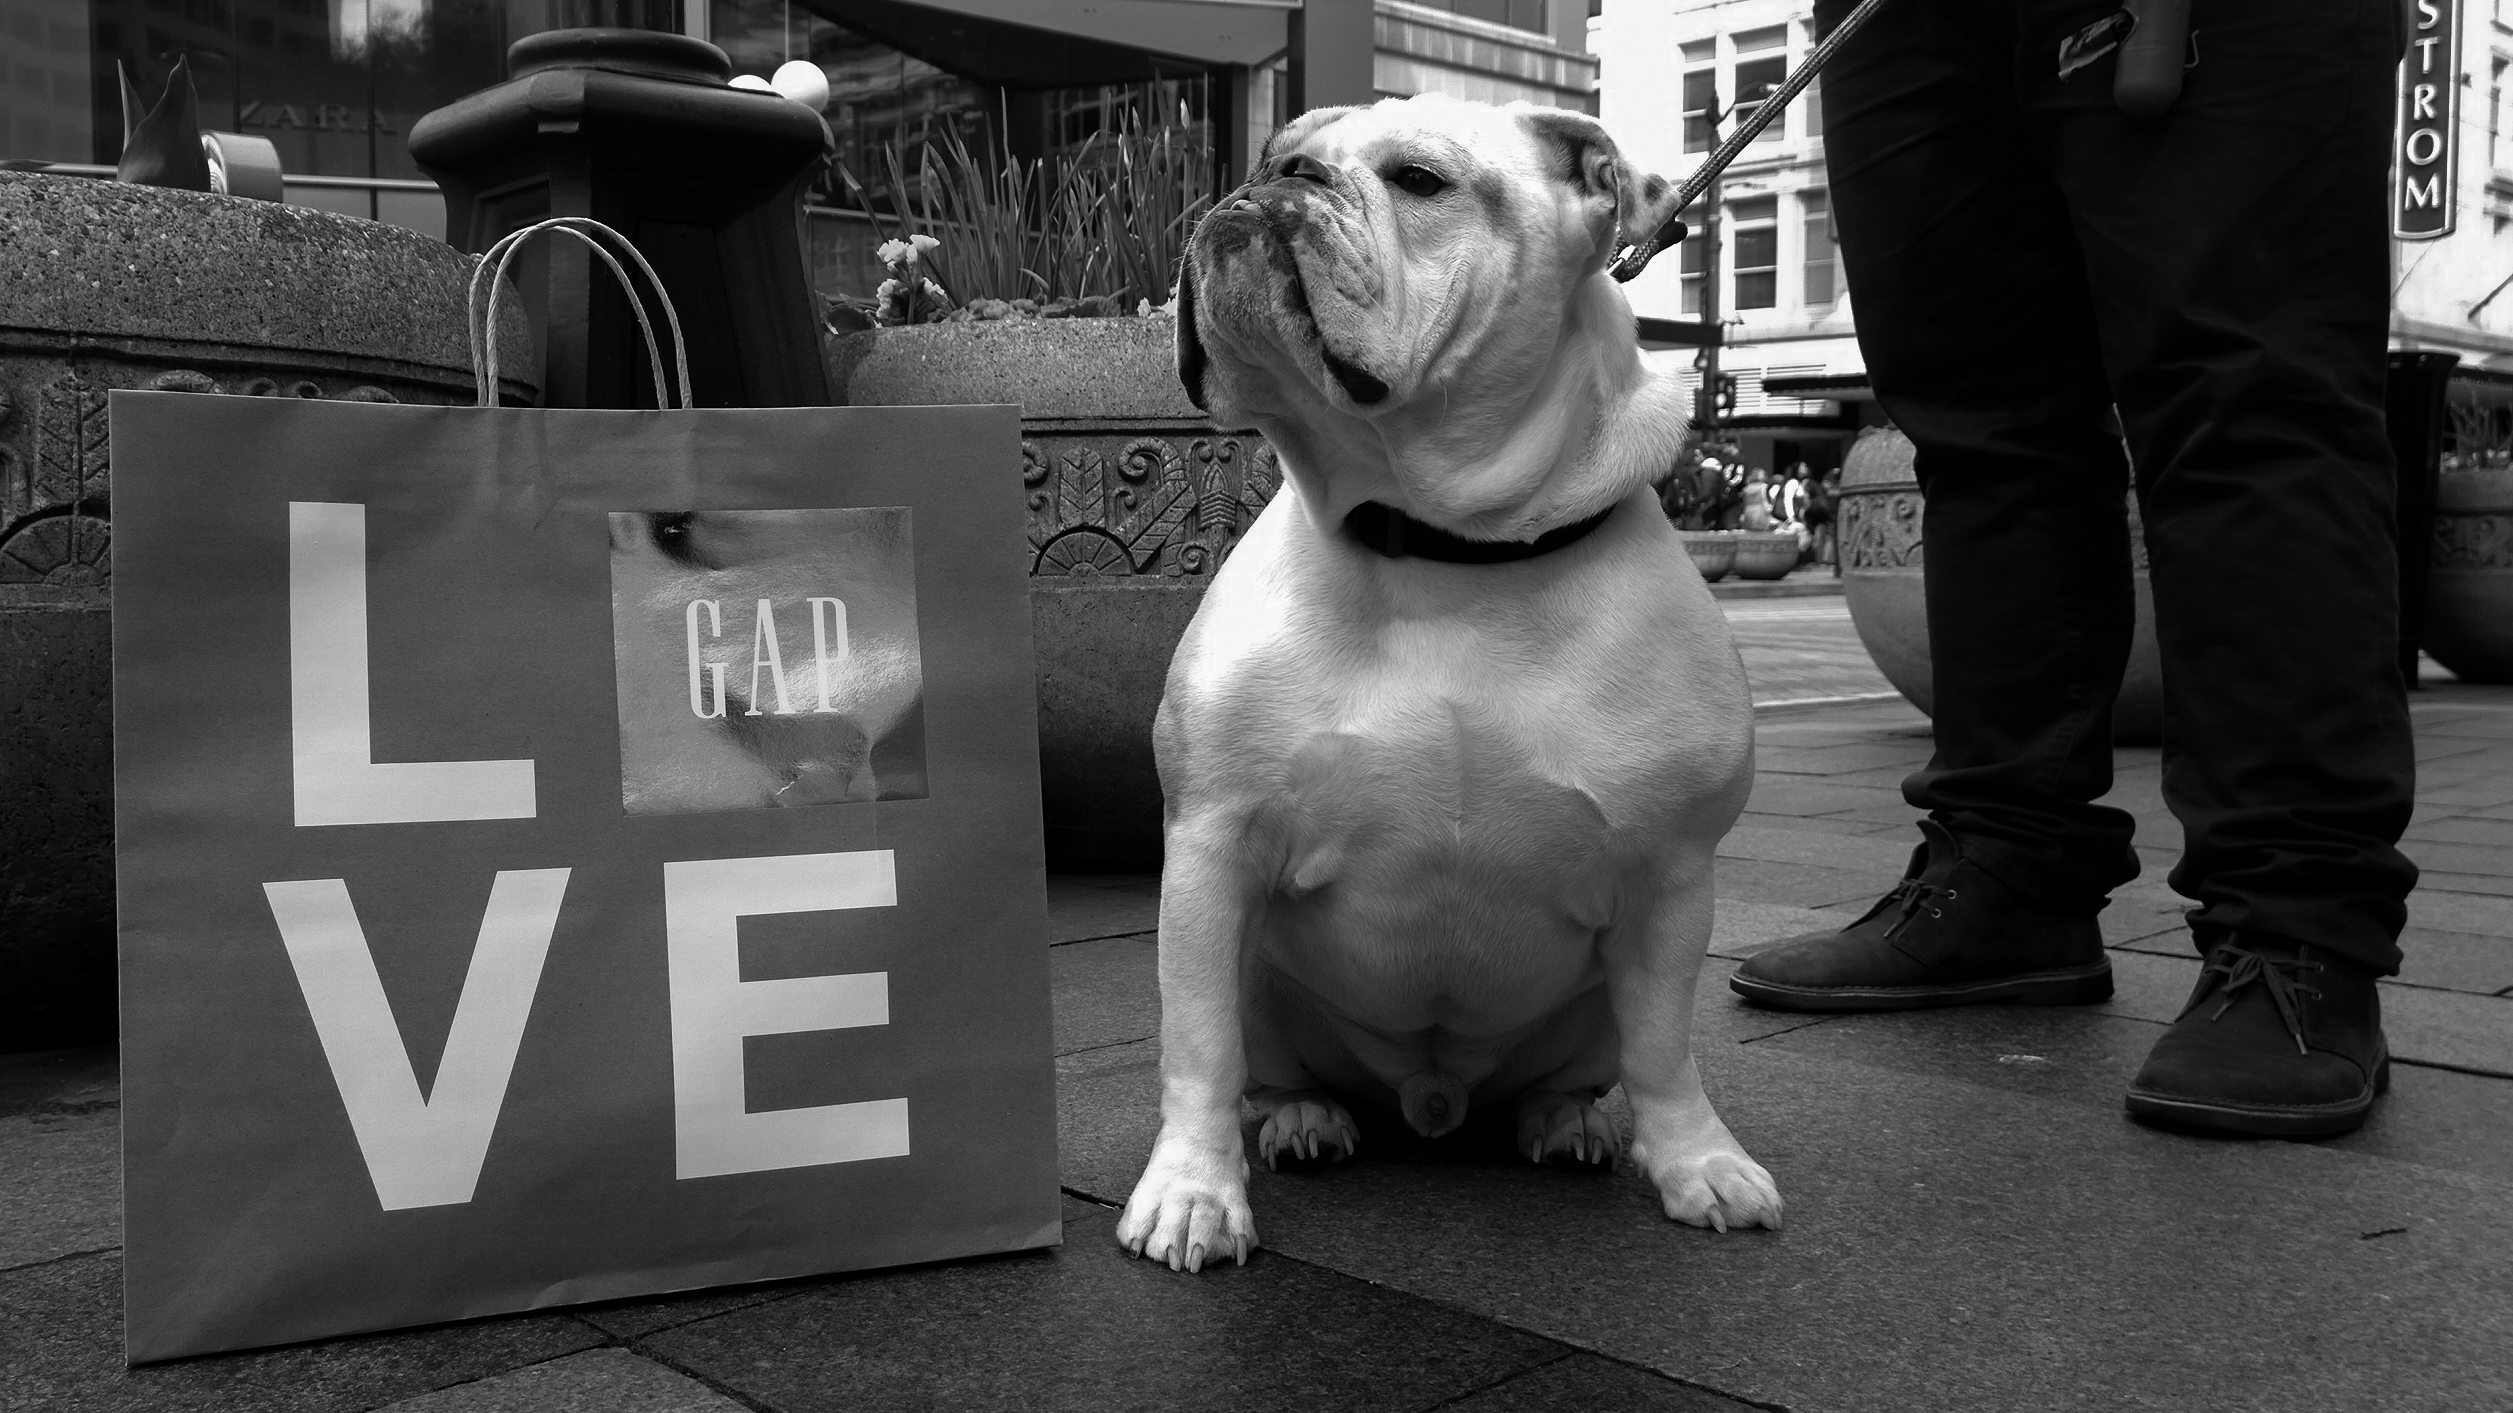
(1879, 526)
(1135, 498)
(2469, 589)
(1765, 554)
(110, 286)
(1713, 551)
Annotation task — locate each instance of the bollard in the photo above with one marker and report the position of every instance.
(2413, 414)
(640, 130)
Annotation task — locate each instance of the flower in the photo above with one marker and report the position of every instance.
(897, 252)
(923, 244)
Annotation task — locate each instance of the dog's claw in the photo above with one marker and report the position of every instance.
(1566, 1126)
(1306, 1128)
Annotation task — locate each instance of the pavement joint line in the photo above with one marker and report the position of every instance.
(57, 1260)
(1107, 936)
(695, 1376)
(1568, 1352)
(1792, 1030)
(1104, 1045)
(604, 1335)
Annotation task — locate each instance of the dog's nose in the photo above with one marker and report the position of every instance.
(1301, 167)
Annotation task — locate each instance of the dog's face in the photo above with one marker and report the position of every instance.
(1422, 279)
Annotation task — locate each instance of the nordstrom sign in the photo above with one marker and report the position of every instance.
(2425, 162)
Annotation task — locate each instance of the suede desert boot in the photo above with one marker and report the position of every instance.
(2279, 1041)
(1947, 935)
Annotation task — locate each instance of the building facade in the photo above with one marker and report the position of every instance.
(1668, 68)
(336, 84)
(1676, 77)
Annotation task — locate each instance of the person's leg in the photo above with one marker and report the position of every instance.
(2239, 261)
(1979, 339)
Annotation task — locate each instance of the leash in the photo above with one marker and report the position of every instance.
(1631, 258)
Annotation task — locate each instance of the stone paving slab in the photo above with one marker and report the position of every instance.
(596, 1381)
(61, 1345)
(1791, 795)
(60, 1185)
(1106, 991)
(2463, 829)
(2075, 1055)
(1077, 912)
(1816, 824)
(1937, 1257)
(1793, 846)
(1799, 885)
(1086, 1327)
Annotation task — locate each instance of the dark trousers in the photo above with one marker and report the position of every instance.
(2021, 259)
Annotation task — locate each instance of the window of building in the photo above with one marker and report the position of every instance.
(1701, 96)
(1517, 14)
(1692, 263)
(1762, 61)
(2495, 110)
(1754, 234)
(1822, 264)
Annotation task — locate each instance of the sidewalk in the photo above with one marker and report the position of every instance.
(1972, 1223)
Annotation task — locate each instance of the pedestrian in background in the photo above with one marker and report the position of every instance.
(2023, 256)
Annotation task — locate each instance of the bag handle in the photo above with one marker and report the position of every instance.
(491, 271)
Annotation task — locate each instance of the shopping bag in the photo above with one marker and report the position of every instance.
(567, 855)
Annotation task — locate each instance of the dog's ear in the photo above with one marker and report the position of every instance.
(1192, 360)
(1643, 204)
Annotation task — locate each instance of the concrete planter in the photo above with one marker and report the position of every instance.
(1713, 551)
(1880, 519)
(2469, 594)
(1135, 498)
(110, 286)
(1765, 554)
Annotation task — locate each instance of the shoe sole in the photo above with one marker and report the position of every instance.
(2082, 987)
(2180, 1111)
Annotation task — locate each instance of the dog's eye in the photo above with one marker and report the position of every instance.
(1421, 181)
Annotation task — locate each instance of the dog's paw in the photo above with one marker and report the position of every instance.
(1720, 1189)
(1187, 1210)
(1306, 1127)
(1566, 1127)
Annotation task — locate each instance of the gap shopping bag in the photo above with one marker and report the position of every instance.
(567, 855)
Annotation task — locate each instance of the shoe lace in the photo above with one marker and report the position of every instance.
(1915, 897)
(2235, 968)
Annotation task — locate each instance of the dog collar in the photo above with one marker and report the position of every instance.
(1397, 535)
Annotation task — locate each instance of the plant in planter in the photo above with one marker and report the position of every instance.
(1050, 272)
(1703, 498)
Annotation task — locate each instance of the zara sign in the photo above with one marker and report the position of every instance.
(2426, 159)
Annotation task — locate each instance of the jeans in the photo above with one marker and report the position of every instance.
(2022, 259)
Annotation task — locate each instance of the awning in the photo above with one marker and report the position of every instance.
(1068, 43)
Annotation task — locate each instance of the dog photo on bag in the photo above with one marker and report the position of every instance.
(1457, 728)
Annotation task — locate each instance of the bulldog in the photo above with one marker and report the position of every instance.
(1447, 749)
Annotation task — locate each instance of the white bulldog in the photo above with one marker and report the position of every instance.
(1439, 833)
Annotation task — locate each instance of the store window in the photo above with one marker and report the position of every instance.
(1822, 260)
(1762, 62)
(1701, 96)
(1754, 228)
(334, 84)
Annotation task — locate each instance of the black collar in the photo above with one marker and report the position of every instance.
(1395, 534)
